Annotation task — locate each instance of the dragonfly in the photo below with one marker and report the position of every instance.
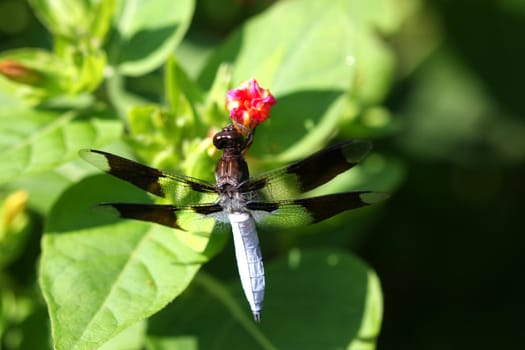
(271, 200)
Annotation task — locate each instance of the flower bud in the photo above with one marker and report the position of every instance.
(249, 105)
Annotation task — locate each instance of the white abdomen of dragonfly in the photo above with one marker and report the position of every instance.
(249, 259)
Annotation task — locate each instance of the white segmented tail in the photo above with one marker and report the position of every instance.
(249, 260)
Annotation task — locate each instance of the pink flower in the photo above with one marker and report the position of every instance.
(249, 105)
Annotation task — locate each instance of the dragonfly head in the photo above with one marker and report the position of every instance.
(230, 138)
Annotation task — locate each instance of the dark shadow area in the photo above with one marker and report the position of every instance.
(450, 263)
(490, 39)
(449, 247)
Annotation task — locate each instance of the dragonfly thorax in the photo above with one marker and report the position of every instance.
(233, 201)
(231, 170)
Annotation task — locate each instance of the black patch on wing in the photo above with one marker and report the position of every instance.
(317, 169)
(206, 209)
(164, 214)
(135, 173)
(324, 207)
(315, 209)
(149, 179)
(157, 213)
(265, 206)
(320, 167)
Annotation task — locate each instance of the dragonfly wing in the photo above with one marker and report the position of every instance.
(284, 214)
(158, 182)
(304, 175)
(192, 218)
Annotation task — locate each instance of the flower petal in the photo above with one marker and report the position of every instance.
(249, 105)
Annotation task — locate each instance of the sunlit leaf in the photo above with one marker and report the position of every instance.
(310, 53)
(305, 45)
(33, 140)
(292, 46)
(86, 62)
(79, 29)
(41, 198)
(131, 338)
(76, 19)
(170, 343)
(322, 297)
(147, 33)
(99, 274)
(182, 93)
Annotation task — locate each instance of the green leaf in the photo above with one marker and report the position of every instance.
(157, 137)
(33, 141)
(33, 74)
(147, 33)
(175, 138)
(375, 64)
(170, 343)
(293, 46)
(76, 20)
(158, 132)
(310, 53)
(37, 75)
(307, 119)
(79, 29)
(121, 99)
(132, 338)
(305, 45)
(322, 297)
(182, 94)
(86, 62)
(99, 275)
(41, 198)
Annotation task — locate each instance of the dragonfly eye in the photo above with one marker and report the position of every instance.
(228, 137)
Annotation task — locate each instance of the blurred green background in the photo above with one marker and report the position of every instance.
(448, 246)
(449, 250)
